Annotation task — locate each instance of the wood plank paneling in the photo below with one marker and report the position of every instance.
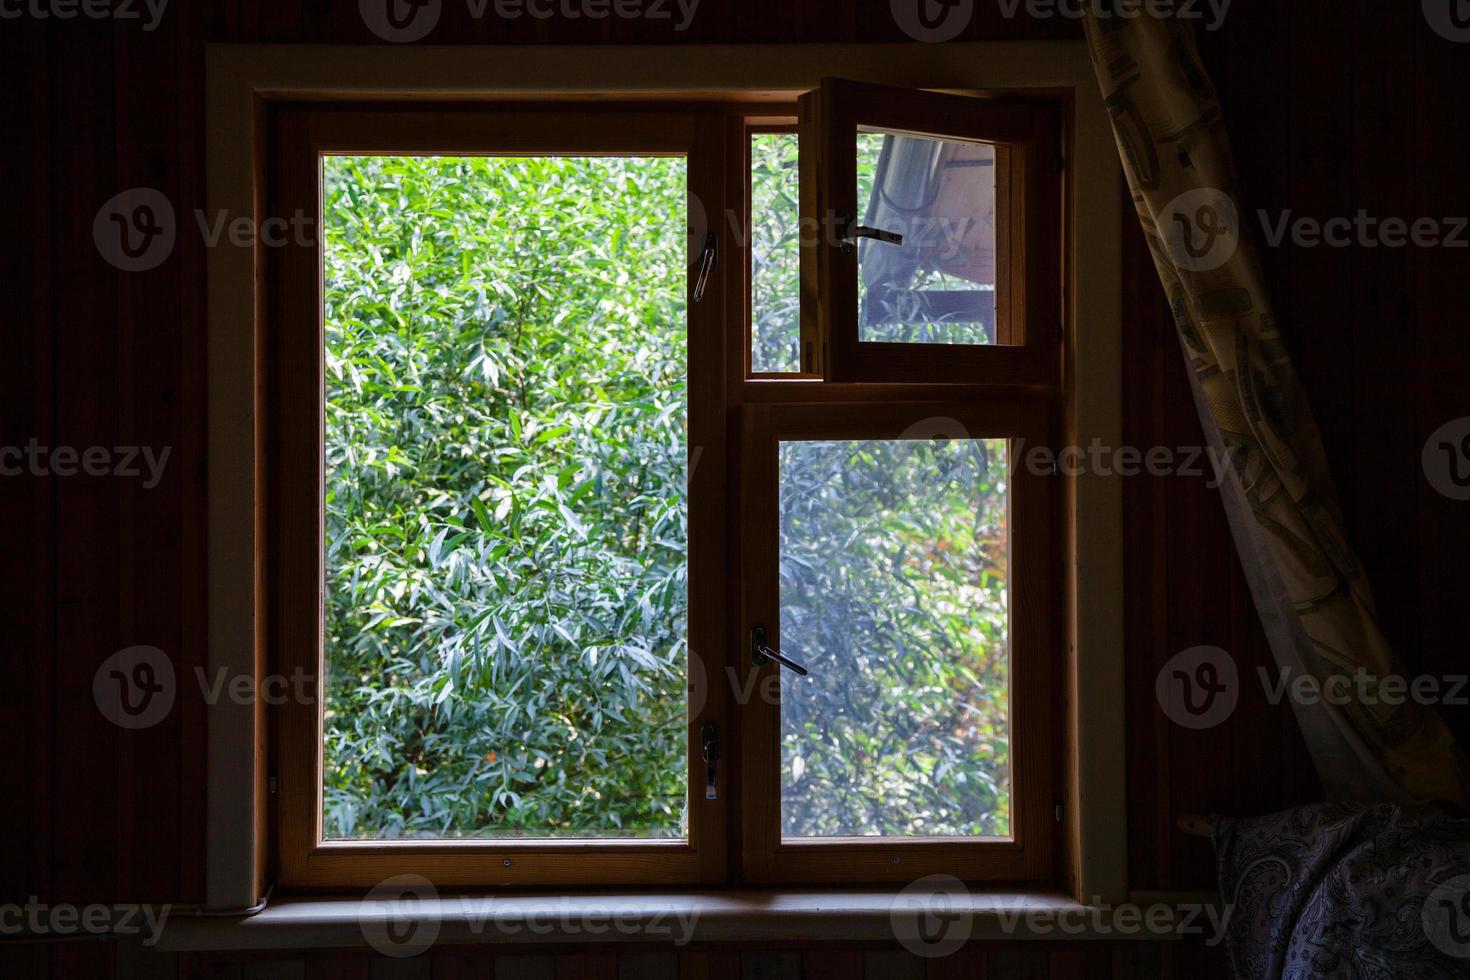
(701, 965)
(1441, 390)
(85, 532)
(1331, 106)
(770, 966)
(27, 563)
(828, 964)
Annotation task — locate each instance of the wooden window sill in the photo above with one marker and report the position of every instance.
(650, 917)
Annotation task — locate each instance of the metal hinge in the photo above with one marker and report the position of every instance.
(271, 785)
(1057, 811)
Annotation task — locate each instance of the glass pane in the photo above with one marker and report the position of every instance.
(506, 462)
(939, 285)
(893, 573)
(775, 254)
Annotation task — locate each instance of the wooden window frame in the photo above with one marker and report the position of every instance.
(246, 83)
(792, 404)
(296, 377)
(1029, 240)
(1027, 855)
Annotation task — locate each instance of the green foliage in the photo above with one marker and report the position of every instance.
(775, 254)
(506, 466)
(505, 503)
(893, 589)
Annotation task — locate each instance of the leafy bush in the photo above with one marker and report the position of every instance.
(893, 587)
(505, 502)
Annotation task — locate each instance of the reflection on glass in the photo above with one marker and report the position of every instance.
(775, 254)
(505, 476)
(893, 576)
(939, 286)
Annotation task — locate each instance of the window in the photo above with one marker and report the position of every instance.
(943, 214)
(646, 501)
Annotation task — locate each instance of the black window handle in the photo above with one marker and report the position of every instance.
(851, 231)
(707, 261)
(760, 654)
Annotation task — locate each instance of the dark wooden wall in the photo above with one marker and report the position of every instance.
(1334, 106)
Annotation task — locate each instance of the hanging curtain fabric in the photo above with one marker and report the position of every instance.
(1307, 585)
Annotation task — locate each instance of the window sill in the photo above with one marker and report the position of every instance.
(665, 918)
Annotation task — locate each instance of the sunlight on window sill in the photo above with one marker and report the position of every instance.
(875, 915)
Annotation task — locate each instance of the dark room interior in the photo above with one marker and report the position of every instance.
(714, 489)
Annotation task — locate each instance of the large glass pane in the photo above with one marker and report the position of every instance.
(939, 285)
(505, 465)
(893, 575)
(775, 254)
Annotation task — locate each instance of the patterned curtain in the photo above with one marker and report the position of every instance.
(1307, 584)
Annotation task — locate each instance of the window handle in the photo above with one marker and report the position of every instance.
(709, 745)
(760, 654)
(852, 231)
(707, 260)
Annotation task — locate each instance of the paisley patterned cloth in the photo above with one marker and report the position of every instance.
(1309, 589)
(1337, 890)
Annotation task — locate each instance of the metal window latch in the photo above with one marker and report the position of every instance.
(760, 654)
(707, 261)
(709, 746)
(851, 231)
